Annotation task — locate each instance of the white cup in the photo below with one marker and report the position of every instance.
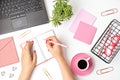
(83, 63)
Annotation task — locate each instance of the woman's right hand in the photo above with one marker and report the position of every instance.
(54, 49)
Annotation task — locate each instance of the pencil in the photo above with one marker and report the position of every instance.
(62, 45)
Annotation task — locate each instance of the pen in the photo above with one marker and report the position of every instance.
(62, 45)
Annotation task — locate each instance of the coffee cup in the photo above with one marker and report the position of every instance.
(83, 64)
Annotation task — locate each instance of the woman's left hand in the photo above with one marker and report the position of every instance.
(28, 60)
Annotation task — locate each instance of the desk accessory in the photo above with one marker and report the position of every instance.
(47, 74)
(14, 68)
(24, 34)
(104, 70)
(3, 73)
(108, 44)
(109, 12)
(39, 45)
(11, 75)
(83, 16)
(8, 53)
(62, 45)
(74, 64)
(62, 11)
(85, 33)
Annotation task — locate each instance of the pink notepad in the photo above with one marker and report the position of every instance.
(83, 16)
(8, 53)
(85, 33)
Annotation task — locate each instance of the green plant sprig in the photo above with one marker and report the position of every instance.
(62, 11)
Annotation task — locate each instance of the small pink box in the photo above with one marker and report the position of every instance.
(85, 33)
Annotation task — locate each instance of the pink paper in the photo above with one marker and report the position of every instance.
(8, 53)
(85, 33)
(83, 16)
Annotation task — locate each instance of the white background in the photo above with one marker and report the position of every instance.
(95, 7)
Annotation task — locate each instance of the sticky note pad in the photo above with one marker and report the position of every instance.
(83, 16)
(85, 33)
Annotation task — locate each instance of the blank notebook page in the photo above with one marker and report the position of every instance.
(40, 46)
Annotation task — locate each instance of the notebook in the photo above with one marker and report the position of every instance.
(39, 45)
(8, 53)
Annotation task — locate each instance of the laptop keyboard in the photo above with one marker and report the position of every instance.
(18, 8)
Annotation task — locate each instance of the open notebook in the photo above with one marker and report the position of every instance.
(40, 46)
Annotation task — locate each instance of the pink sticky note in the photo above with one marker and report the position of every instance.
(85, 33)
(83, 16)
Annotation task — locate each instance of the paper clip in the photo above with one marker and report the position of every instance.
(14, 68)
(104, 70)
(3, 73)
(47, 73)
(11, 75)
(109, 12)
(24, 33)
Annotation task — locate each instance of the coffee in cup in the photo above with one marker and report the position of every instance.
(83, 64)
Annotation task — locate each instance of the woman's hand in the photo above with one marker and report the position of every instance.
(28, 61)
(54, 49)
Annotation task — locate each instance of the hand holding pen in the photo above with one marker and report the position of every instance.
(56, 43)
(62, 45)
(54, 46)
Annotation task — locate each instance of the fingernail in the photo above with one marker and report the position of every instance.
(26, 41)
(34, 51)
(48, 49)
(47, 41)
(31, 40)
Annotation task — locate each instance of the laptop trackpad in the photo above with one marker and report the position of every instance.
(19, 22)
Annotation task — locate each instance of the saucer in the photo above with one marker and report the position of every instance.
(74, 64)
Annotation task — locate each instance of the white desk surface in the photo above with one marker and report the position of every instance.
(95, 7)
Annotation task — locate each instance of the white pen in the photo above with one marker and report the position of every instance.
(62, 45)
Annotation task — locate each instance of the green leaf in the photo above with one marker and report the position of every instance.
(62, 11)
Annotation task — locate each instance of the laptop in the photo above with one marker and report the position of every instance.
(20, 14)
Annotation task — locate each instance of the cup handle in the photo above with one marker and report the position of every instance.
(88, 59)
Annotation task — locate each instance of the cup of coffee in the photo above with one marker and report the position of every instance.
(83, 63)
